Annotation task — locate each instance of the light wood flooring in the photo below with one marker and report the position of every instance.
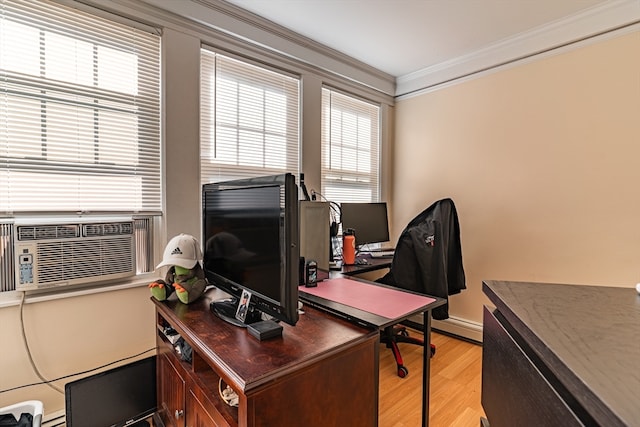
(455, 385)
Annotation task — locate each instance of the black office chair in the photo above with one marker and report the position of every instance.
(428, 260)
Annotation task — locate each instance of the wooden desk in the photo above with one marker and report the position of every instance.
(561, 355)
(323, 371)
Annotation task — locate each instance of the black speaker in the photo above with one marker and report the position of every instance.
(301, 271)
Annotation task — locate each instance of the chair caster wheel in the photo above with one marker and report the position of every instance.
(402, 371)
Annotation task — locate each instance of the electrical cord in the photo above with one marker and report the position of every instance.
(304, 188)
(26, 345)
(37, 371)
(335, 211)
(80, 373)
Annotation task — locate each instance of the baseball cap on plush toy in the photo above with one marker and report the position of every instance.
(182, 250)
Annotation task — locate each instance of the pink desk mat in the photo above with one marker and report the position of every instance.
(385, 302)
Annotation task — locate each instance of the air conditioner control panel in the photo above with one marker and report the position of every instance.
(26, 265)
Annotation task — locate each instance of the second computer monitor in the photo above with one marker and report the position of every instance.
(369, 220)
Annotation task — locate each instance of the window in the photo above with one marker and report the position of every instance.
(79, 123)
(350, 148)
(249, 120)
(79, 113)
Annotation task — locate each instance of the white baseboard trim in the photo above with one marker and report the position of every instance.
(462, 328)
(459, 327)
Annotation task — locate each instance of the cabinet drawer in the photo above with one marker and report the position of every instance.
(171, 389)
(514, 391)
(199, 416)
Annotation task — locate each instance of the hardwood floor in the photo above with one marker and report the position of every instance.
(455, 385)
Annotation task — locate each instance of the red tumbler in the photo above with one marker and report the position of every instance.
(349, 248)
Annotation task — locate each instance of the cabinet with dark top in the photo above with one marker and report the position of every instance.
(323, 371)
(560, 355)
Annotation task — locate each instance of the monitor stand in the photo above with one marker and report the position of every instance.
(226, 310)
(258, 328)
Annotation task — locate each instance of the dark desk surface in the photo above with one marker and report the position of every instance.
(380, 322)
(369, 319)
(408, 303)
(588, 336)
(373, 264)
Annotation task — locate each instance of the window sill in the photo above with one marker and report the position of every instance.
(12, 298)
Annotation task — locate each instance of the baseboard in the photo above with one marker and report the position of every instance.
(462, 328)
(459, 327)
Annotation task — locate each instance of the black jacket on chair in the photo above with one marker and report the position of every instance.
(428, 255)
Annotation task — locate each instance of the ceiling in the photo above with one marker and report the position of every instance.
(400, 37)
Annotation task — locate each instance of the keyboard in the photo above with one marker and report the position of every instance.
(382, 254)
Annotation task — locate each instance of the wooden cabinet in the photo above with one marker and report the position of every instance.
(197, 415)
(513, 388)
(171, 390)
(321, 372)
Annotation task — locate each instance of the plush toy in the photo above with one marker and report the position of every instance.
(185, 276)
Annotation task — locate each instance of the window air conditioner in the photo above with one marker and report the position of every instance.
(51, 255)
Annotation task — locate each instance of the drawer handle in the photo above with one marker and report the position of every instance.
(179, 413)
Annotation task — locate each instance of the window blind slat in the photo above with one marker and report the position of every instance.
(249, 120)
(79, 112)
(350, 148)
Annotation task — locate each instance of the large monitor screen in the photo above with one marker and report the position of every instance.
(117, 397)
(243, 241)
(368, 220)
(250, 239)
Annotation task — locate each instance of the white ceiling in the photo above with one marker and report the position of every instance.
(401, 37)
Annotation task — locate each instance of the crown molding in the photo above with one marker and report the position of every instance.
(572, 31)
(224, 26)
(243, 25)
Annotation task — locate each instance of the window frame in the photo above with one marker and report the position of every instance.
(267, 77)
(96, 31)
(55, 97)
(347, 182)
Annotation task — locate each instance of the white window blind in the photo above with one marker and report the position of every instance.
(79, 112)
(350, 148)
(249, 120)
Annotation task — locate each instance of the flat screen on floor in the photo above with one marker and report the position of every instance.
(118, 397)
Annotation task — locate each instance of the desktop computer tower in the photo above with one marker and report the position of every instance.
(314, 234)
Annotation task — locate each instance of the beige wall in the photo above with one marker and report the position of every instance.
(541, 159)
(71, 335)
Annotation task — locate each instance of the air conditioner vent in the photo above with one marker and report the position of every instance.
(48, 232)
(107, 229)
(73, 254)
(69, 261)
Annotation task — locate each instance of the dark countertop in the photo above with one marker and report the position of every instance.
(588, 336)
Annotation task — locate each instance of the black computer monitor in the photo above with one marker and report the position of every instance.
(368, 220)
(250, 230)
(121, 396)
